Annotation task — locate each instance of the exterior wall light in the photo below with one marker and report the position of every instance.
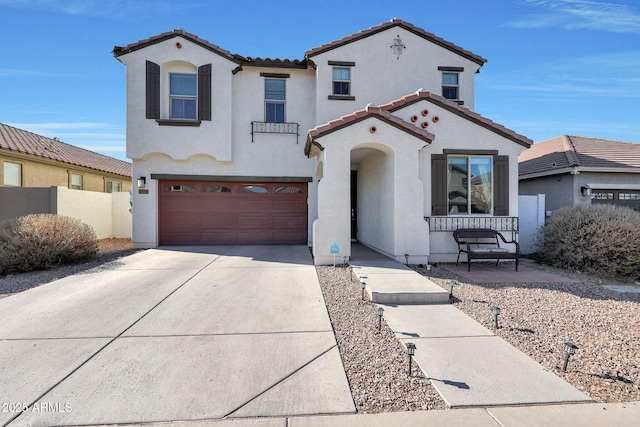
(569, 349)
(586, 191)
(142, 182)
(380, 314)
(411, 350)
(496, 311)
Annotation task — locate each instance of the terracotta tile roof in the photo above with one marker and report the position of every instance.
(453, 107)
(179, 32)
(397, 23)
(367, 112)
(569, 151)
(22, 141)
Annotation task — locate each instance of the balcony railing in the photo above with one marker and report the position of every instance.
(267, 127)
(451, 223)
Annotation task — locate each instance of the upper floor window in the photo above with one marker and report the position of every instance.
(75, 182)
(113, 187)
(183, 95)
(469, 184)
(450, 85)
(275, 96)
(341, 81)
(12, 174)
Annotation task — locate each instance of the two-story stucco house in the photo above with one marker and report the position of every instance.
(370, 138)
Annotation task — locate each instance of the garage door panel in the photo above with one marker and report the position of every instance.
(198, 216)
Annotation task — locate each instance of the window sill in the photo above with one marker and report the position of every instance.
(342, 98)
(167, 122)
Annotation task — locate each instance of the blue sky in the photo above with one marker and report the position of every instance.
(554, 66)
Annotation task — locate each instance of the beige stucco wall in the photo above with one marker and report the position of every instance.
(107, 213)
(41, 172)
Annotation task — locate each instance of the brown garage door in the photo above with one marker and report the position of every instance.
(198, 212)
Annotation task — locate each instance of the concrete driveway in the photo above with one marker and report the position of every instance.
(173, 334)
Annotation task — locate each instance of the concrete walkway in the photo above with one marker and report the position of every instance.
(467, 364)
(173, 334)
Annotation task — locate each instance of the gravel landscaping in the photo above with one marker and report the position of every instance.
(539, 318)
(535, 318)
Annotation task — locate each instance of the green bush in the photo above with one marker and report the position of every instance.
(35, 242)
(598, 239)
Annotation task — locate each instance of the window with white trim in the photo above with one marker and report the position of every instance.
(12, 174)
(183, 96)
(275, 96)
(113, 187)
(469, 184)
(75, 181)
(341, 81)
(450, 86)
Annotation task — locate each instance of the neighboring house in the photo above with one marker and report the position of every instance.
(573, 170)
(31, 160)
(370, 138)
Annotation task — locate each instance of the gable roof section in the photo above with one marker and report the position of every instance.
(22, 141)
(360, 115)
(395, 22)
(178, 32)
(453, 107)
(557, 154)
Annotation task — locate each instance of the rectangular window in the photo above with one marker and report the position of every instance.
(341, 81)
(113, 187)
(450, 85)
(12, 174)
(183, 96)
(274, 100)
(629, 196)
(76, 182)
(469, 184)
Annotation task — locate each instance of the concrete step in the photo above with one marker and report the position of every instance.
(389, 282)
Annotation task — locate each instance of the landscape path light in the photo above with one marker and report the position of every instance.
(363, 284)
(496, 311)
(380, 314)
(411, 350)
(569, 349)
(452, 283)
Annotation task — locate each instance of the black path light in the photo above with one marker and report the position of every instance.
(569, 349)
(406, 258)
(380, 314)
(452, 283)
(411, 350)
(496, 311)
(363, 284)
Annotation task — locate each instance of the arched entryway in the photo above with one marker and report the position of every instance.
(372, 196)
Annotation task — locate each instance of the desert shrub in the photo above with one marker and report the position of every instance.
(35, 242)
(599, 239)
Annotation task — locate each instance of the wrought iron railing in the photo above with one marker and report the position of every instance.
(451, 223)
(268, 127)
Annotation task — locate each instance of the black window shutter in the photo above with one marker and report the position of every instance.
(204, 92)
(501, 182)
(439, 196)
(153, 90)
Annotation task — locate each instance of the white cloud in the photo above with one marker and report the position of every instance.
(581, 14)
(110, 8)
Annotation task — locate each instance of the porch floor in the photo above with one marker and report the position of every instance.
(482, 272)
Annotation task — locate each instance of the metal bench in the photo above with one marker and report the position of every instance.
(483, 243)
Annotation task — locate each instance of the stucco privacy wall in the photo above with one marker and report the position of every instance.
(378, 76)
(20, 201)
(107, 213)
